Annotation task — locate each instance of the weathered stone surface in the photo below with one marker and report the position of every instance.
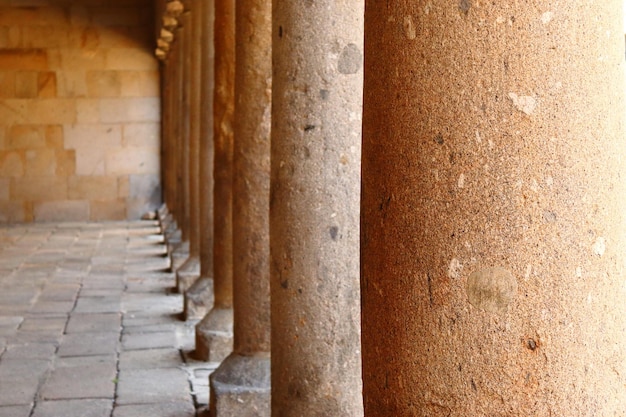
(189, 271)
(493, 210)
(145, 386)
(214, 335)
(198, 299)
(314, 224)
(73, 408)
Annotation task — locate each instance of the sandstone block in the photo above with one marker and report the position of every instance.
(45, 36)
(51, 111)
(38, 189)
(61, 211)
(5, 185)
(7, 84)
(95, 136)
(92, 188)
(103, 84)
(26, 137)
(141, 134)
(124, 110)
(54, 136)
(11, 164)
(26, 84)
(72, 83)
(130, 59)
(138, 160)
(46, 84)
(66, 162)
(40, 162)
(90, 161)
(123, 186)
(108, 210)
(87, 110)
(139, 83)
(23, 59)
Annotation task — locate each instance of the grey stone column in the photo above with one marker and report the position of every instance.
(241, 385)
(199, 297)
(189, 271)
(314, 225)
(494, 228)
(214, 334)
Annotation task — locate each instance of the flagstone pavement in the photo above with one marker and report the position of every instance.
(90, 326)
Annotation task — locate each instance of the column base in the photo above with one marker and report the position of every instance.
(198, 299)
(214, 335)
(178, 254)
(241, 387)
(188, 273)
(171, 232)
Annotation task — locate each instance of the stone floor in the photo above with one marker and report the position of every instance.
(89, 325)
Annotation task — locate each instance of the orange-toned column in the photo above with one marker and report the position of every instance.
(241, 385)
(493, 229)
(314, 217)
(214, 334)
(199, 297)
(189, 272)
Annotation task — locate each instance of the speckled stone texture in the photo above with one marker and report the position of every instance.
(493, 209)
(223, 110)
(241, 385)
(314, 215)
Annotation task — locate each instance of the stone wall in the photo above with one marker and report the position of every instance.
(79, 110)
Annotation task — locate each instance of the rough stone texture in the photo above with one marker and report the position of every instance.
(69, 408)
(79, 110)
(189, 271)
(314, 223)
(240, 387)
(493, 161)
(223, 112)
(214, 335)
(198, 299)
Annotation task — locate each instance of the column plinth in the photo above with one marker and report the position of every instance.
(493, 226)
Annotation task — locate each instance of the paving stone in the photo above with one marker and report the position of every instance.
(97, 323)
(77, 344)
(45, 307)
(60, 292)
(134, 341)
(15, 411)
(9, 324)
(74, 379)
(70, 408)
(98, 305)
(30, 351)
(40, 324)
(149, 359)
(20, 379)
(141, 386)
(164, 409)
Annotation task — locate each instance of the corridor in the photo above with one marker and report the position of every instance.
(90, 327)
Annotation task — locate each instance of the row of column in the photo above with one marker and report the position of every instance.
(457, 186)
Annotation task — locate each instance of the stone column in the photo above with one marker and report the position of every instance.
(241, 385)
(199, 297)
(180, 251)
(214, 334)
(493, 228)
(187, 274)
(314, 225)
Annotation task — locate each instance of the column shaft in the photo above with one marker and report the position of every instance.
(214, 332)
(187, 274)
(493, 229)
(199, 297)
(241, 385)
(314, 212)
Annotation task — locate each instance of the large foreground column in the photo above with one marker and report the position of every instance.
(241, 385)
(316, 136)
(199, 297)
(214, 334)
(189, 272)
(493, 230)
